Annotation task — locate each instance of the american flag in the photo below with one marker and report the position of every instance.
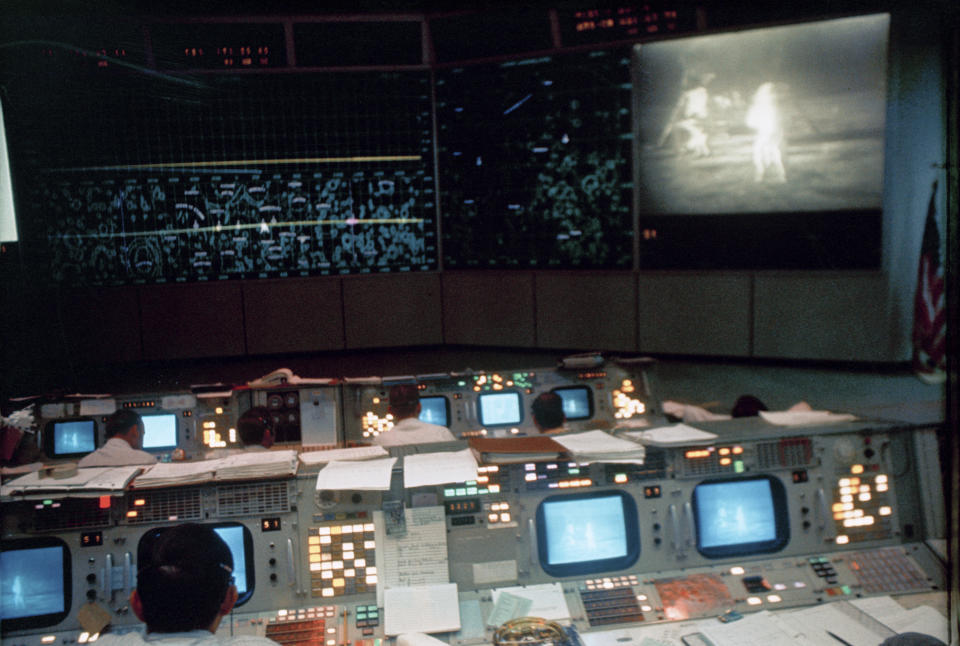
(929, 308)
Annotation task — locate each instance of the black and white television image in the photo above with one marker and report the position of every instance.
(782, 119)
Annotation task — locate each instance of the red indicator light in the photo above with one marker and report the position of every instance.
(104, 502)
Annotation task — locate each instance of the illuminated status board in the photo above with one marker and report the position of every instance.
(534, 159)
(137, 180)
(602, 24)
(218, 46)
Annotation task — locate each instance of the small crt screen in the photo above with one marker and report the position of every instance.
(159, 432)
(237, 537)
(577, 402)
(587, 533)
(71, 437)
(499, 409)
(34, 583)
(433, 410)
(740, 517)
(233, 536)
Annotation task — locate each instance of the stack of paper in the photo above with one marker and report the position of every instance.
(92, 481)
(257, 464)
(598, 446)
(425, 469)
(673, 435)
(365, 475)
(805, 417)
(166, 474)
(343, 455)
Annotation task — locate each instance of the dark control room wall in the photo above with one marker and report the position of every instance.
(846, 316)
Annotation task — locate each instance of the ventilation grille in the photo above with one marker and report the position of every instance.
(70, 513)
(787, 452)
(166, 505)
(252, 499)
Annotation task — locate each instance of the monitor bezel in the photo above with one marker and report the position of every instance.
(51, 618)
(515, 393)
(781, 515)
(49, 437)
(176, 433)
(147, 538)
(596, 566)
(446, 408)
(590, 405)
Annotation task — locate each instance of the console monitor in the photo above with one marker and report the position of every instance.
(740, 517)
(70, 438)
(500, 408)
(35, 583)
(237, 537)
(159, 432)
(435, 410)
(587, 533)
(577, 402)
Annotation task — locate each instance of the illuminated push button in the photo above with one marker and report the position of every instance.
(505, 517)
(736, 570)
(646, 608)
(779, 586)
(754, 601)
(774, 598)
(493, 517)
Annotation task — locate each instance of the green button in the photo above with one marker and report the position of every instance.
(461, 492)
(471, 491)
(846, 589)
(738, 466)
(448, 492)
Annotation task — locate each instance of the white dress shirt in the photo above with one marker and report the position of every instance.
(116, 453)
(411, 430)
(190, 638)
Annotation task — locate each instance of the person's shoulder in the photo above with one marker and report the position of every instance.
(132, 638)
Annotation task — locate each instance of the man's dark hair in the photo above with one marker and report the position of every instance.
(547, 409)
(252, 424)
(747, 406)
(121, 421)
(404, 399)
(185, 578)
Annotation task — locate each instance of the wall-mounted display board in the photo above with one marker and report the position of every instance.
(137, 176)
(534, 159)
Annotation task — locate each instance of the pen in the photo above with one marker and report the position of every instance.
(839, 639)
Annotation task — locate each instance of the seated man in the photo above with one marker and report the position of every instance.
(255, 430)
(547, 411)
(124, 442)
(183, 591)
(407, 428)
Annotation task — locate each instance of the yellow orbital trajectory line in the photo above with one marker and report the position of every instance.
(219, 228)
(255, 162)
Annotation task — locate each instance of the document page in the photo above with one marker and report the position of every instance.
(418, 557)
(421, 609)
